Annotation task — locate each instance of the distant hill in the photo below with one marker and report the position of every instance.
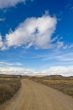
(52, 77)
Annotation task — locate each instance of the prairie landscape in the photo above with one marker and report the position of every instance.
(36, 93)
(36, 54)
(63, 84)
(9, 85)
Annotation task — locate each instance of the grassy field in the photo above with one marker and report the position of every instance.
(61, 83)
(8, 87)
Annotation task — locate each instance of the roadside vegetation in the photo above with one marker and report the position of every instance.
(64, 84)
(8, 87)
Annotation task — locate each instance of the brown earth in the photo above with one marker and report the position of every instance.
(35, 96)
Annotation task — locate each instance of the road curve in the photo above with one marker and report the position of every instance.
(35, 96)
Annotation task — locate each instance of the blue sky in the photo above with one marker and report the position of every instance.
(37, 35)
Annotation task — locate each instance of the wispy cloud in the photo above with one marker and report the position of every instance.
(8, 64)
(1, 42)
(59, 57)
(10, 3)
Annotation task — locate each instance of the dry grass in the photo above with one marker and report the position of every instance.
(65, 85)
(8, 87)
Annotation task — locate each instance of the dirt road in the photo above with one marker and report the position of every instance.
(35, 96)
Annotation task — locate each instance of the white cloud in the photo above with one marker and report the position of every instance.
(53, 70)
(68, 46)
(16, 71)
(8, 64)
(33, 31)
(66, 57)
(1, 42)
(10, 3)
(17, 68)
(59, 44)
(59, 70)
(55, 57)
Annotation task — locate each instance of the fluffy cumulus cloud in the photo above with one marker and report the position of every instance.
(9, 3)
(36, 32)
